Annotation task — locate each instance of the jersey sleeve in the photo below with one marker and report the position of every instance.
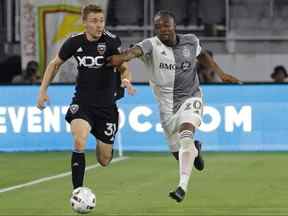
(193, 39)
(119, 89)
(146, 46)
(120, 92)
(67, 49)
(198, 47)
(117, 46)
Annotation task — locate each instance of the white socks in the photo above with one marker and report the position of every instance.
(187, 155)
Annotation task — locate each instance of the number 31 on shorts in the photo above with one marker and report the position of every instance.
(110, 130)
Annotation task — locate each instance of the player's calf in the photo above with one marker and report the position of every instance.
(80, 130)
(187, 155)
(104, 161)
(104, 153)
(78, 165)
(199, 161)
(199, 164)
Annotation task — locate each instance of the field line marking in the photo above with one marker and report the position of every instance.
(49, 178)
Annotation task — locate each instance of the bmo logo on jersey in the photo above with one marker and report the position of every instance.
(167, 66)
(91, 61)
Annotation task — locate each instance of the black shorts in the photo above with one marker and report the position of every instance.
(103, 120)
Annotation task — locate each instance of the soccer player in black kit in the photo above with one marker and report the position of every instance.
(93, 108)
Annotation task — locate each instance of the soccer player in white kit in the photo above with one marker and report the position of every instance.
(170, 59)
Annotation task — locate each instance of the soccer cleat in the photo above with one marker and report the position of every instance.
(178, 194)
(198, 162)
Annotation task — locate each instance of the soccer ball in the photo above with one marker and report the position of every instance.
(83, 200)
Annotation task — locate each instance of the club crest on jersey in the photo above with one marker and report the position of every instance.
(186, 52)
(74, 108)
(197, 104)
(186, 65)
(101, 48)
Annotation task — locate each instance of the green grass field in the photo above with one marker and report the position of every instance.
(232, 184)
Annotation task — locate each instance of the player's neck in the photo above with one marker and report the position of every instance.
(91, 38)
(172, 42)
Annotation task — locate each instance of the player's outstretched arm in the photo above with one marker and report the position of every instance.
(117, 60)
(126, 77)
(205, 60)
(49, 74)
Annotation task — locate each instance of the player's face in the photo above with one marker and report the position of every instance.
(94, 24)
(164, 28)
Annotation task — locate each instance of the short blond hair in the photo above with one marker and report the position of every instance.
(91, 9)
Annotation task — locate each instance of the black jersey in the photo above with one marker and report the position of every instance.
(97, 83)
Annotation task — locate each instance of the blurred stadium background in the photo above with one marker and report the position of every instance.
(244, 130)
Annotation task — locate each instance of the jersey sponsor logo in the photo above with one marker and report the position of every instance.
(167, 66)
(101, 48)
(184, 66)
(90, 61)
(74, 108)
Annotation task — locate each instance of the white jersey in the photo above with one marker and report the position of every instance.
(173, 75)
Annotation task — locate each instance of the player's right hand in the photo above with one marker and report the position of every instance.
(115, 60)
(128, 85)
(42, 98)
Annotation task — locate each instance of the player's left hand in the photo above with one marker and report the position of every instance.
(128, 85)
(227, 78)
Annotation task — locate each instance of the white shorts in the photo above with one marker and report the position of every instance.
(190, 112)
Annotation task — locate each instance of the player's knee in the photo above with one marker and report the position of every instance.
(104, 161)
(187, 142)
(187, 145)
(79, 143)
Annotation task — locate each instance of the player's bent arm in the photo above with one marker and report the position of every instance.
(206, 60)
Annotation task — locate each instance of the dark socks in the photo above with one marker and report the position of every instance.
(78, 168)
(176, 155)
